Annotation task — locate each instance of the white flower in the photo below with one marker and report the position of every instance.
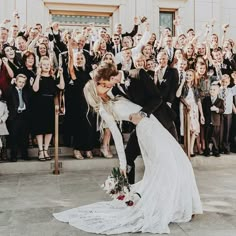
(127, 82)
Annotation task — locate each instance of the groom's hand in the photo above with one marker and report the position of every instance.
(135, 118)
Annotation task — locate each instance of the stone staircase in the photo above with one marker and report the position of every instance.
(68, 163)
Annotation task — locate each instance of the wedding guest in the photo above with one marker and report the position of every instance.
(140, 61)
(226, 94)
(6, 74)
(189, 54)
(3, 128)
(181, 67)
(116, 48)
(233, 127)
(43, 110)
(21, 44)
(166, 79)
(169, 48)
(222, 64)
(213, 108)
(118, 29)
(28, 68)
(147, 51)
(83, 121)
(191, 98)
(105, 146)
(99, 50)
(14, 60)
(178, 55)
(18, 121)
(127, 62)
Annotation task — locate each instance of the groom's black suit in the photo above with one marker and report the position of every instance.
(143, 92)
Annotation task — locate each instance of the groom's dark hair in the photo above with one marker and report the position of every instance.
(105, 71)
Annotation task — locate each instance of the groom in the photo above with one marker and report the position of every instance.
(138, 87)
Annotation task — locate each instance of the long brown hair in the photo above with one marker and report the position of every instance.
(105, 71)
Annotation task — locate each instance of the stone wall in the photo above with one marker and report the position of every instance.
(195, 13)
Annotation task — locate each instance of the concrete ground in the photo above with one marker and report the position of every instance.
(28, 199)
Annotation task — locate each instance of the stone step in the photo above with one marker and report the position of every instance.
(68, 163)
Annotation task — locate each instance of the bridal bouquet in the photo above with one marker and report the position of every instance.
(118, 187)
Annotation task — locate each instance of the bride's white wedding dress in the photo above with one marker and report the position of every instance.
(168, 189)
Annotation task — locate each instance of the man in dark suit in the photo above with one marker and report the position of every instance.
(116, 48)
(118, 30)
(18, 120)
(170, 50)
(166, 80)
(138, 87)
(213, 108)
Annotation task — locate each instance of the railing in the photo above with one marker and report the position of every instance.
(59, 109)
(186, 127)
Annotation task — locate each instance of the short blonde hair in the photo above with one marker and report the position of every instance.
(21, 76)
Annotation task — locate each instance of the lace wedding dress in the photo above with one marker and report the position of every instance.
(168, 189)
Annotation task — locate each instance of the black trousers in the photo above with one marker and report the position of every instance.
(18, 137)
(132, 150)
(212, 134)
(225, 132)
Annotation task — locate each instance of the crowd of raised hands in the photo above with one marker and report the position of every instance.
(55, 59)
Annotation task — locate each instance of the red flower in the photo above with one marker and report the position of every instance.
(112, 191)
(129, 203)
(121, 197)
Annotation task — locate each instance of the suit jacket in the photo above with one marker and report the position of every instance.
(170, 60)
(3, 117)
(143, 92)
(13, 102)
(211, 117)
(113, 49)
(169, 85)
(132, 33)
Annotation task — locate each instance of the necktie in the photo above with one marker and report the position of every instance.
(213, 100)
(170, 54)
(160, 75)
(224, 96)
(21, 102)
(181, 77)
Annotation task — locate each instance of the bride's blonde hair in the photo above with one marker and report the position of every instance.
(95, 101)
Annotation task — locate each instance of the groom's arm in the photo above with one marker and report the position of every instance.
(154, 100)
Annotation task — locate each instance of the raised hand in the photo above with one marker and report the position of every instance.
(5, 60)
(225, 27)
(6, 21)
(136, 20)
(135, 118)
(13, 81)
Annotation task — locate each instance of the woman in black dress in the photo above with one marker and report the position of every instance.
(28, 68)
(83, 121)
(43, 110)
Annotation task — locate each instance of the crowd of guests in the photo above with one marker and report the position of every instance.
(38, 66)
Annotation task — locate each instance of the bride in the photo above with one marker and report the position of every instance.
(168, 189)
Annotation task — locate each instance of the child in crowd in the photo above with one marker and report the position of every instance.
(233, 127)
(3, 128)
(213, 108)
(18, 121)
(226, 94)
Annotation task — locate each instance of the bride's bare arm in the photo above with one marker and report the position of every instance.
(110, 121)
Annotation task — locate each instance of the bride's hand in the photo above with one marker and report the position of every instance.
(123, 172)
(135, 118)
